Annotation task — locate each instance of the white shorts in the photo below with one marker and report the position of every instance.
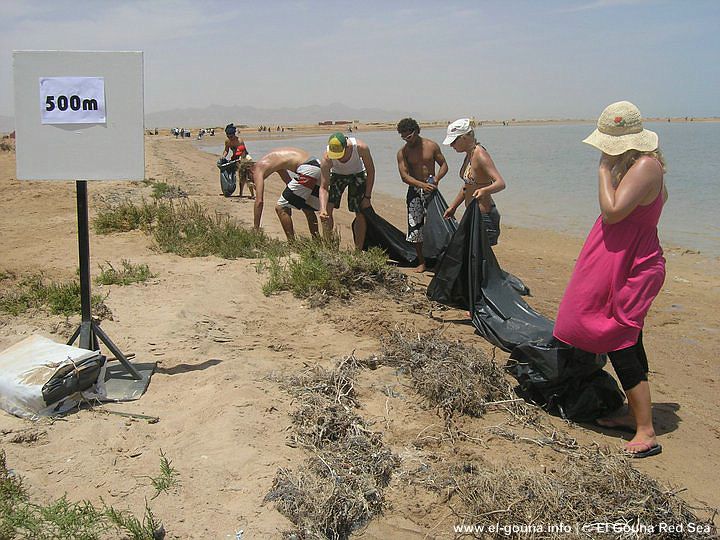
(296, 195)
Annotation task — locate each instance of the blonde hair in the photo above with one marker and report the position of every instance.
(628, 159)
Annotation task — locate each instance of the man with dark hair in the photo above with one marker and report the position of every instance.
(347, 163)
(416, 164)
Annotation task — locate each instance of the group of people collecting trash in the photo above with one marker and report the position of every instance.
(617, 275)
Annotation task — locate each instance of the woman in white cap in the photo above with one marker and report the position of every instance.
(480, 177)
(621, 267)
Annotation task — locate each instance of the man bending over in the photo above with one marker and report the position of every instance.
(301, 192)
(347, 163)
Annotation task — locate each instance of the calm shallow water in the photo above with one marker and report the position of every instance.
(552, 177)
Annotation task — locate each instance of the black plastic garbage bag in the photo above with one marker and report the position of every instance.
(437, 233)
(564, 379)
(386, 236)
(228, 176)
(469, 277)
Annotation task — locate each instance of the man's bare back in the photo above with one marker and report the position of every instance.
(282, 159)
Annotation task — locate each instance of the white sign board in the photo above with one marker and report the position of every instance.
(79, 115)
(72, 100)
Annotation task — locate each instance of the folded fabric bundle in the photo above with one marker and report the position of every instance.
(39, 377)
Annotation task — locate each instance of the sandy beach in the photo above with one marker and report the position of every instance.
(217, 340)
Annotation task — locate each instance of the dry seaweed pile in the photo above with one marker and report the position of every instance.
(590, 485)
(453, 377)
(594, 493)
(340, 488)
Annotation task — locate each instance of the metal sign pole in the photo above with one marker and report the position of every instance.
(89, 331)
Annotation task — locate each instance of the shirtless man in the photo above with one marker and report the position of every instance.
(300, 192)
(347, 163)
(238, 152)
(416, 163)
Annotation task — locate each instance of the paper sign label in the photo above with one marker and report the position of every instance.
(72, 100)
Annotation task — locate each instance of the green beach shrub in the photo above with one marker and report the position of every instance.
(125, 217)
(163, 190)
(320, 269)
(58, 298)
(187, 229)
(20, 518)
(129, 273)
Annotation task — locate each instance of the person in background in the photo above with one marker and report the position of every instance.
(416, 164)
(300, 192)
(237, 150)
(621, 269)
(480, 177)
(347, 163)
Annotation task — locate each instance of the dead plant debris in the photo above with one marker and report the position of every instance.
(340, 487)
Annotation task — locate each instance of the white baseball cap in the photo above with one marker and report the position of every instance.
(456, 129)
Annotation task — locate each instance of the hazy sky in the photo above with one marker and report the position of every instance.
(440, 59)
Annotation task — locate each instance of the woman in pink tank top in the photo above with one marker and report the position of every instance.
(621, 267)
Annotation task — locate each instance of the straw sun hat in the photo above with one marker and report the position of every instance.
(620, 129)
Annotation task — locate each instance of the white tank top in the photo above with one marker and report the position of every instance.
(353, 165)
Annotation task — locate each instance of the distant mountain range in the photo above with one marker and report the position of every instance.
(220, 115)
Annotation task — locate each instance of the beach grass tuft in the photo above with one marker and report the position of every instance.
(35, 292)
(21, 518)
(319, 270)
(167, 479)
(126, 216)
(127, 274)
(150, 528)
(163, 190)
(311, 268)
(189, 230)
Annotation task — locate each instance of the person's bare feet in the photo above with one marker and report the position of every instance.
(642, 446)
(420, 268)
(624, 422)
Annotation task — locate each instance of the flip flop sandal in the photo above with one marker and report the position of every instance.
(651, 450)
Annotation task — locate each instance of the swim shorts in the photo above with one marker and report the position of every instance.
(356, 189)
(416, 214)
(303, 191)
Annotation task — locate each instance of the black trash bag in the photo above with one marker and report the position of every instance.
(387, 237)
(564, 380)
(437, 234)
(228, 176)
(561, 378)
(437, 231)
(469, 277)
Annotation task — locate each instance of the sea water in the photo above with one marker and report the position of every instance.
(551, 175)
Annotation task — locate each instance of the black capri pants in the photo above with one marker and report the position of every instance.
(630, 364)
